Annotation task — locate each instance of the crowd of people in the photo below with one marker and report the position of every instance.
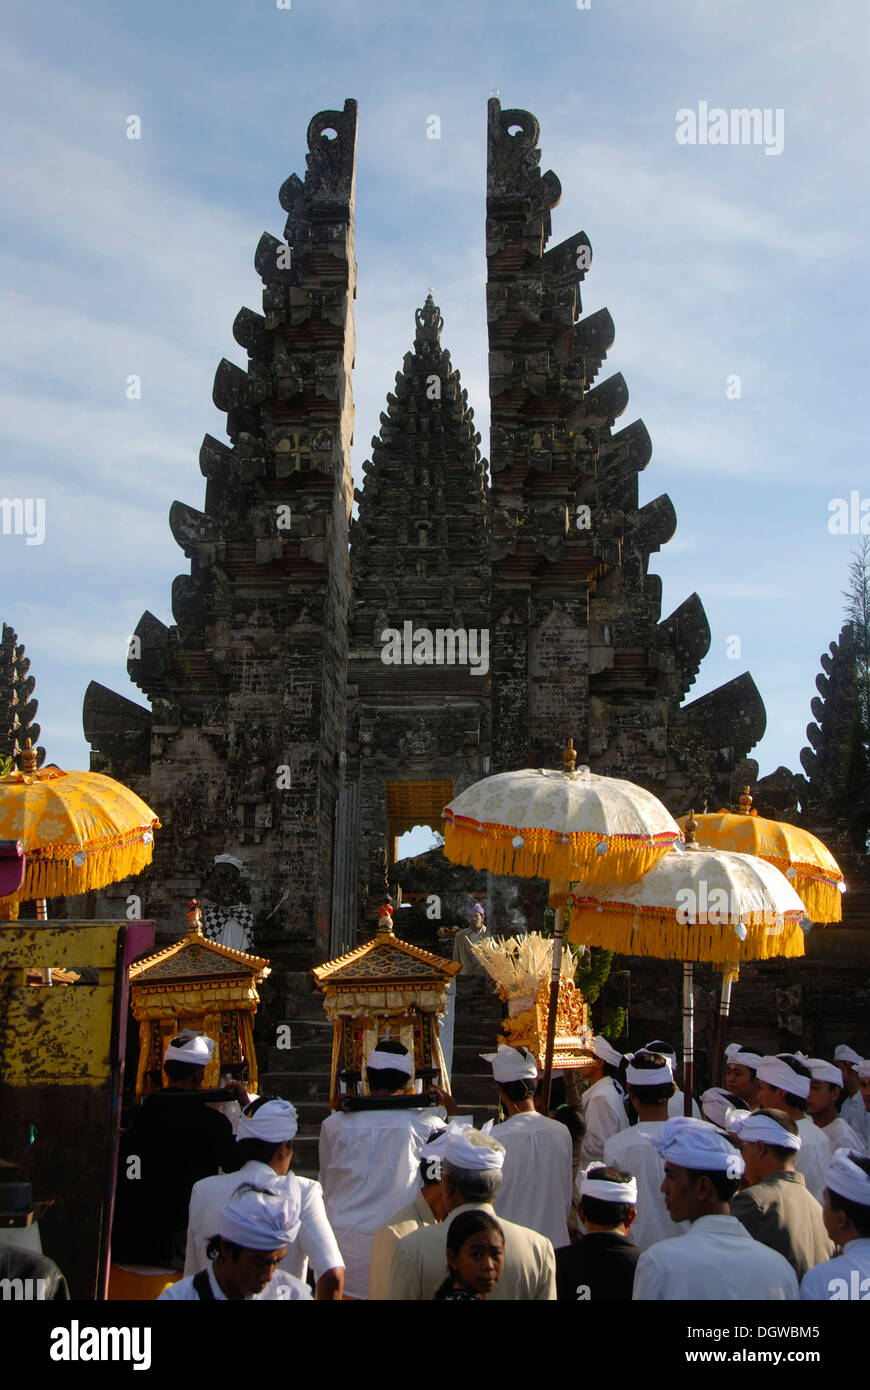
(763, 1193)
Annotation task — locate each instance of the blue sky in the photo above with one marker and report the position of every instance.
(121, 257)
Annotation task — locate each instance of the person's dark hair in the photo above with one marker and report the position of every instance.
(461, 1229)
(616, 1073)
(856, 1212)
(796, 1102)
(386, 1078)
(428, 1166)
(653, 1094)
(261, 1150)
(724, 1186)
(571, 1116)
(600, 1211)
(658, 1045)
(518, 1091)
(181, 1071)
(213, 1249)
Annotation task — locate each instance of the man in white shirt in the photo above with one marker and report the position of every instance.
(677, 1102)
(254, 1229)
(471, 1176)
(650, 1087)
(825, 1091)
(538, 1176)
(426, 1209)
(602, 1102)
(853, 1109)
(369, 1162)
(264, 1148)
(784, 1084)
(847, 1218)
(716, 1259)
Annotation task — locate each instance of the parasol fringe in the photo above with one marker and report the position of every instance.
(542, 856)
(823, 899)
(60, 877)
(661, 936)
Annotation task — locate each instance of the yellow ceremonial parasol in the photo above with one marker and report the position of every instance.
(695, 904)
(79, 830)
(803, 858)
(562, 826)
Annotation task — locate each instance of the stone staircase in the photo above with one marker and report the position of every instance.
(300, 1073)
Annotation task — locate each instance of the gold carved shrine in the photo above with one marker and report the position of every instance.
(198, 984)
(384, 989)
(520, 968)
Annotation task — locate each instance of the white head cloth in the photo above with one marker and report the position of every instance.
(844, 1177)
(262, 1220)
(605, 1191)
(605, 1053)
(512, 1064)
(697, 1144)
(435, 1147)
(844, 1053)
(391, 1061)
(761, 1129)
(717, 1106)
(778, 1073)
(824, 1071)
(476, 1158)
(863, 1069)
(648, 1076)
(196, 1051)
(732, 1048)
(229, 859)
(276, 1122)
(746, 1059)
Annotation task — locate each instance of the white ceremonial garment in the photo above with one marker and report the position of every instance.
(537, 1187)
(847, 1276)
(370, 1169)
(315, 1241)
(604, 1114)
(634, 1154)
(716, 1260)
(676, 1103)
(856, 1114)
(280, 1287)
(813, 1157)
(446, 1029)
(841, 1135)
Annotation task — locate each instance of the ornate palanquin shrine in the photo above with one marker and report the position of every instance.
(197, 984)
(384, 989)
(520, 969)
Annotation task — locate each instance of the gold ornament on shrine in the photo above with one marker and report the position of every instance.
(196, 984)
(521, 968)
(384, 989)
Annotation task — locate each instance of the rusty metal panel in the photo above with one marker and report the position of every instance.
(66, 944)
(56, 1035)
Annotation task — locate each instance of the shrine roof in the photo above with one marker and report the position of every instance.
(385, 957)
(196, 957)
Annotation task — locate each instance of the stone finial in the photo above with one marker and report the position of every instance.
(429, 322)
(569, 756)
(28, 759)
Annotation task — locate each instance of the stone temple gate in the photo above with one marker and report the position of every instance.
(299, 717)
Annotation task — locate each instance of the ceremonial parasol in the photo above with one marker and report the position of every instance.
(695, 904)
(541, 823)
(803, 858)
(79, 830)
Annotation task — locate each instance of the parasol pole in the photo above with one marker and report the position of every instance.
(558, 895)
(730, 975)
(689, 1007)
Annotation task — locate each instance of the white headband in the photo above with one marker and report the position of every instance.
(844, 1177)
(761, 1129)
(262, 1220)
(863, 1069)
(779, 1074)
(824, 1071)
(745, 1059)
(196, 1051)
(605, 1053)
(276, 1122)
(843, 1053)
(605, 1190)
(697, 1144)
(732, 1049)
(512, 1064)
(391, 1061)
(650, 1076)
(717, 1107)
(476, 1158)
(435, 1147)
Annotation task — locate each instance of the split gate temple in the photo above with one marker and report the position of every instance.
(276, 732)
